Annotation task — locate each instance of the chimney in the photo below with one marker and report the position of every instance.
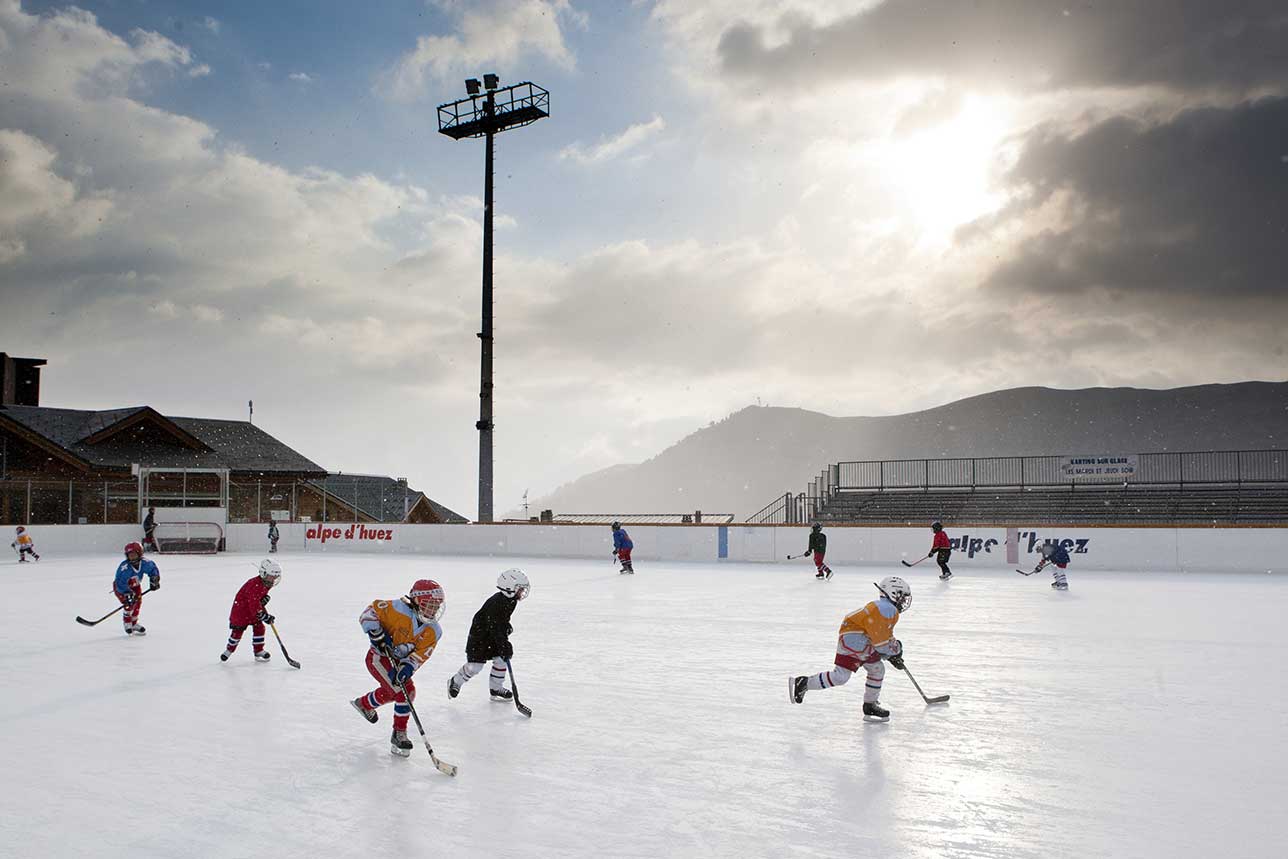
(20, 380)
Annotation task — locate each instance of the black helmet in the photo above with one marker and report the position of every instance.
(936, 526)
(816, 527)
(617, 525)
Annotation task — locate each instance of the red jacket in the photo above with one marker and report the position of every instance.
(941, 541)
(248, 602)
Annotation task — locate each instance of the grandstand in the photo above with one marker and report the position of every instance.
(1202, 488)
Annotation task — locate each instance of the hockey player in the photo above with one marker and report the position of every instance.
(250, 608)
(149, 529)
(622, 546)
(818, 548)
(490, 636)
(866, 637)
(128, 587)
(273, 535)
(403, 633)
(1054, 553)
(23, 545)
(943, 548)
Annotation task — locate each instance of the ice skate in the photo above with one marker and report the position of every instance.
(943, 577)
(1060, 586)
(399, 744)
(370, 715)
(505, 696)
(263, 656)
(827, 573)
(453, 688)
(819, 575)
(135, 629)
(796, 687)
(874, 712)
(223, 657)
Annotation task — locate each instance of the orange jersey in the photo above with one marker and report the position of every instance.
(872, 622)
(24, 541)
(402, 627)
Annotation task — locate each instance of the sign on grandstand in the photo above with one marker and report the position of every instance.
(1098, 468)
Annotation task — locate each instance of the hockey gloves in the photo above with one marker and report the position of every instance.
(507, 650)
(380, 642)
(265, 617)
(896, 661)
(403, 673)
(156, 583)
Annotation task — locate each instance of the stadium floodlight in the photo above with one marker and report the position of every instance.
(502, 109)
(472, 86)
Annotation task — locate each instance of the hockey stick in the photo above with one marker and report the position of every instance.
(443, 767)
(914, 563)
(938, 699)
(1036, 569)
(82, 620)
(514, 690)
(289, 661)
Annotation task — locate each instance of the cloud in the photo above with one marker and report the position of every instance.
(1022, 44)
(211, 24)
(300, 77)
(1196, 204)
(491, 35)
(200, 71)
(613, 147)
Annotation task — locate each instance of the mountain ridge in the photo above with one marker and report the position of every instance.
(738, 464)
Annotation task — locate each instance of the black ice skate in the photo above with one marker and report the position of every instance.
(827, 572)
(453, 688)
(796, 687)
(819, 575)
(874, 712)
(370, 715)
(1060, 586)
(223, 657)
(135, 630)
(502, 695)
(399, 744)
(263, 656)
(943, 577)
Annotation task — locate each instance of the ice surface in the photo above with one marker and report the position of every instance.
(1135, 716)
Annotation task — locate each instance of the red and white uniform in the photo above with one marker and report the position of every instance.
(248, 603)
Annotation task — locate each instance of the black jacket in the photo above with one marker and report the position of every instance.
(490, 631)
(818, 542)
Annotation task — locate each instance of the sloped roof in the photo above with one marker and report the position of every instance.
(235, 445)
(383, 498)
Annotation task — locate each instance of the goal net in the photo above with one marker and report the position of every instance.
(189, 538)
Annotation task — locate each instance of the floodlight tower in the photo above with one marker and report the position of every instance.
(486, 114)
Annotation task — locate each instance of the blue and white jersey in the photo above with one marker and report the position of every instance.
(1054, 553)
(622, 540)
(125, 572)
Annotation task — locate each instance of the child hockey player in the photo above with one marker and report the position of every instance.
(818, 548)
(273, 535)
(942, 547)
(150, 529)
(866, 637)
(403, 633)
(23, 545)
(128, 588)
(1054, 553)
(490, 636)
(250, 607)
(622, 546)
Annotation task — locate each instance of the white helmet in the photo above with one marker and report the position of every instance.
(514, 584)
(1047, 549)
(897, 591)
(21, 529)
(270, 572)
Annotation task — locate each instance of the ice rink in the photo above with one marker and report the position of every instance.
(1135, 716)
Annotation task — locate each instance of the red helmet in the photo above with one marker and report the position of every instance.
(427, 598)
(133, 547)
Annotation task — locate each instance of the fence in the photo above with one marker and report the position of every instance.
(99, 502)
(1234, 467)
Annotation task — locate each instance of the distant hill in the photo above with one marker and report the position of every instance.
(740, 463)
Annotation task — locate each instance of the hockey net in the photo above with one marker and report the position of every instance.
(189, 538)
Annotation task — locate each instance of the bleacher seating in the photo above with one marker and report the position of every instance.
(1127, 505)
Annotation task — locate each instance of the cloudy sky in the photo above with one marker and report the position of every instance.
(855, 207)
